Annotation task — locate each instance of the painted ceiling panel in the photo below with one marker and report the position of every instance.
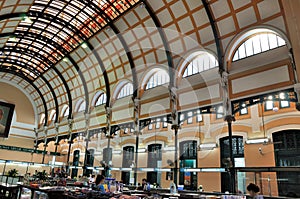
(268, 8)
(246, 17)
(220, 8)
(226, 26)
(239, 3)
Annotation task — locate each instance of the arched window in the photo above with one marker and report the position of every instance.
(101, 99)
(126, 90)
(42, 120)
(258, 43)
(80, 105)
(52, 115)
(200, 61)
(158, 78)
(65, 111)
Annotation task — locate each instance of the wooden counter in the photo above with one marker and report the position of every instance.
(52, 193)
(8, 191)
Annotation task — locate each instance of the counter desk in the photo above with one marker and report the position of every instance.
(28, 192)
(8, 191)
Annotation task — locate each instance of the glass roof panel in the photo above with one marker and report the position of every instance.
(39, 25)
(58, 4)
(65, 17)
(64, 23)
(51, 11)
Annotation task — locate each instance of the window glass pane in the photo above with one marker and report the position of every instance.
(242, 51)
(157, 125)
(101, 100)
(66, 113)
(244, 111)
(201, 62)
(269, 105)
(256, 45)
(281, 42)
(185, 73)
(81, 107)
(199, 117)
(126, 131)
(284, 104)
(273, 41)
(150, 127)
(264, 42)
(249, 47)
(157, 79)
(190, 71)
(190, 117)
(42, 120)
(165, 124)
(206, 63)
(53, 117)
(219, 112)
(181, 117)
(195, 66)
(126, 90)
(236, 56)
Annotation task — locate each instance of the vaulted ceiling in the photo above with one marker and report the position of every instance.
(62, 50)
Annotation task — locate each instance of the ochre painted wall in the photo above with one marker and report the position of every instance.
(253, 157)
(209, 158)
(23, 106)
(19, 142)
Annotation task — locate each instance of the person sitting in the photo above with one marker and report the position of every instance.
(100, 183)
(253, 190)
(143, 186)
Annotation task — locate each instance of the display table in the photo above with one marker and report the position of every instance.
(36, 193)
(8, 191)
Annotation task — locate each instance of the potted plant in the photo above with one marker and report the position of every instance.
(42, 175)
(12, 173)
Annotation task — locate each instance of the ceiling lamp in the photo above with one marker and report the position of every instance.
(26, 19)
(84, 45)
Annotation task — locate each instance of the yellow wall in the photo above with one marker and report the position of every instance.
(23, 106)
(209, 158)
(19, 142)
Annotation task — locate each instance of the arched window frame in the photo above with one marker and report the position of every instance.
(99, 99)
(126, 90)
(80, 106)
(157, 78)
(52, 115)
(65, 111)
(198, 62)
(247, 48)
(42, 119)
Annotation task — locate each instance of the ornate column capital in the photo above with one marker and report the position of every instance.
(56, 126)
(229, 118)
(45, 129)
